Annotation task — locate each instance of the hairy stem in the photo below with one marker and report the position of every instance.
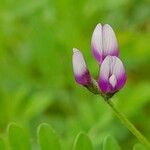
(128, 124)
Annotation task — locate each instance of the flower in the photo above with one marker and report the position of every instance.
(104, 42)
(81, 73)
(112, 75)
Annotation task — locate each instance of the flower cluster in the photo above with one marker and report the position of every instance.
(112, 76)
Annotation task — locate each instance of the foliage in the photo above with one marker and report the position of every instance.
(48, 139)
(82, 142)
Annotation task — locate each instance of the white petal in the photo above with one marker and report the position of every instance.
(118, 68)
(105, 68)
(110, 44)
(79, 65)
(97, 39)
(113, 80)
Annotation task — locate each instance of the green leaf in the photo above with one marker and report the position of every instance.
(82, 142)
(110, 143)
(18, 138)
(139, 146)
(38, 103)
(2, 144)
(47, 137)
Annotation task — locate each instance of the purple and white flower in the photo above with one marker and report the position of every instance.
(104, 42)
(112, 75)
(81, 73)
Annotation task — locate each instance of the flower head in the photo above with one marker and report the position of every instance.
(81, 73)
(112, 75)
(104, 42)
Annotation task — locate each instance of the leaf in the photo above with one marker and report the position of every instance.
(18, 138)
(82, 142)
(110, 143)
(2, 144)
(38, 103)
(47, 138)
(139, 146)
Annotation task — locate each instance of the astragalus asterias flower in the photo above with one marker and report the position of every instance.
(104, 42)
(112, 76)
(81, 73)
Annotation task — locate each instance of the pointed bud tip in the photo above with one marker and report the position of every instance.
(103, 25)
(99, 25)
(75, 50)
(107, 28)
(107, 25)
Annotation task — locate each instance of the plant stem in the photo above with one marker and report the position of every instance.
(128, 124)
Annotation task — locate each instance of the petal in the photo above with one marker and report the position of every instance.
(80, 70)
(104, 42)
(103, 80)
(110, 44)
(113, 80)
(96, 43)
(119, 72)
(112, 75)
(79, 65)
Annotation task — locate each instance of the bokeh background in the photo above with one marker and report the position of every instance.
(36, 78)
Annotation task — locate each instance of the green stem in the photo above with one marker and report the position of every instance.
(128, 124)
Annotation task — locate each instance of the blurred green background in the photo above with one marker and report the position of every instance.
(36, 78)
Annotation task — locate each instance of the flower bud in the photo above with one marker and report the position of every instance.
(81, 73)
(104, 42)
(112, 75)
